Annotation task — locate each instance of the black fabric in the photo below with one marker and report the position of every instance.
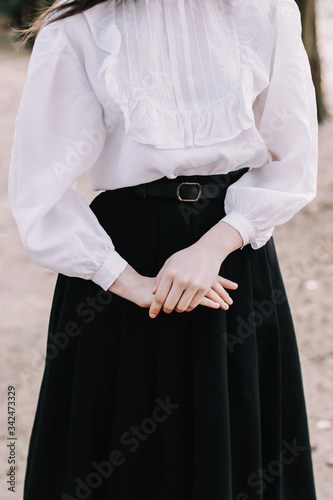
(201, 189)
(187, 406)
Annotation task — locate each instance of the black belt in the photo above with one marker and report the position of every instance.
(188, 191)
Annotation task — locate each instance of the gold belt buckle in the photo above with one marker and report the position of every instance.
(189, 184)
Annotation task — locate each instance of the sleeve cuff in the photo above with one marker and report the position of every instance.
(109, 270)
(243, 225)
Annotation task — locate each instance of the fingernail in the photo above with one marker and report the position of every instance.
(152, 315)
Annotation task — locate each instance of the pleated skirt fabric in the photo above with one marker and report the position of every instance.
(200, 405)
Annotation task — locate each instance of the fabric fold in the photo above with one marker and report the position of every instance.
(151, 120)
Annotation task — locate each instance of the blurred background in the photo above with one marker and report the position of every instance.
(304, 246)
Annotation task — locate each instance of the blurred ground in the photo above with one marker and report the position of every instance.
(304, 245)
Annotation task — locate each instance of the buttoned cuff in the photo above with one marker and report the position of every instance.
(109, 270)
(243, 225)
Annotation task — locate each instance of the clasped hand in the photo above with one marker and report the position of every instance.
(189, 278)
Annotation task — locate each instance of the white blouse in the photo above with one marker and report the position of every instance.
(158, 88)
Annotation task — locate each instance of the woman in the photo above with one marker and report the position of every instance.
(197, 120)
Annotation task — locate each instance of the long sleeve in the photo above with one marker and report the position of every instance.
(59, 137)
(286, 118)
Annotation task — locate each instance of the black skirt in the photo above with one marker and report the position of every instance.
(200, 405)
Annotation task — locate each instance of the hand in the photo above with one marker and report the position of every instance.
(209, 252)
(217, 296)
(139, 289)
(191, 276)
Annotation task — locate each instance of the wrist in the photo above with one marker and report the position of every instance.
(126, 283)
(222, 239)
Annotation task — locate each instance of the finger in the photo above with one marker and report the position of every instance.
(227, 283)
(185, 299)
(218, 288)
(160, 296)
(158, 279)
(205, 301)
(176, 294)
(196, 300)
(213, 295)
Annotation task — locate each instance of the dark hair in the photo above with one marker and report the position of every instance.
(54, 13)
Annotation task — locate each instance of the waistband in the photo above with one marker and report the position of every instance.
(189, 188)
(186, 188)
(227, 178)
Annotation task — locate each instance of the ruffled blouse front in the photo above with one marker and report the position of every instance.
(178, 73)
(150, 88)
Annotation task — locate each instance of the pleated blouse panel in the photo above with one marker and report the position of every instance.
(178, 73)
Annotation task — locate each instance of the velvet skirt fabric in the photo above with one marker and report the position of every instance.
(200, 405)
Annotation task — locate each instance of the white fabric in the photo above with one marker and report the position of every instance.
(159, 88)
